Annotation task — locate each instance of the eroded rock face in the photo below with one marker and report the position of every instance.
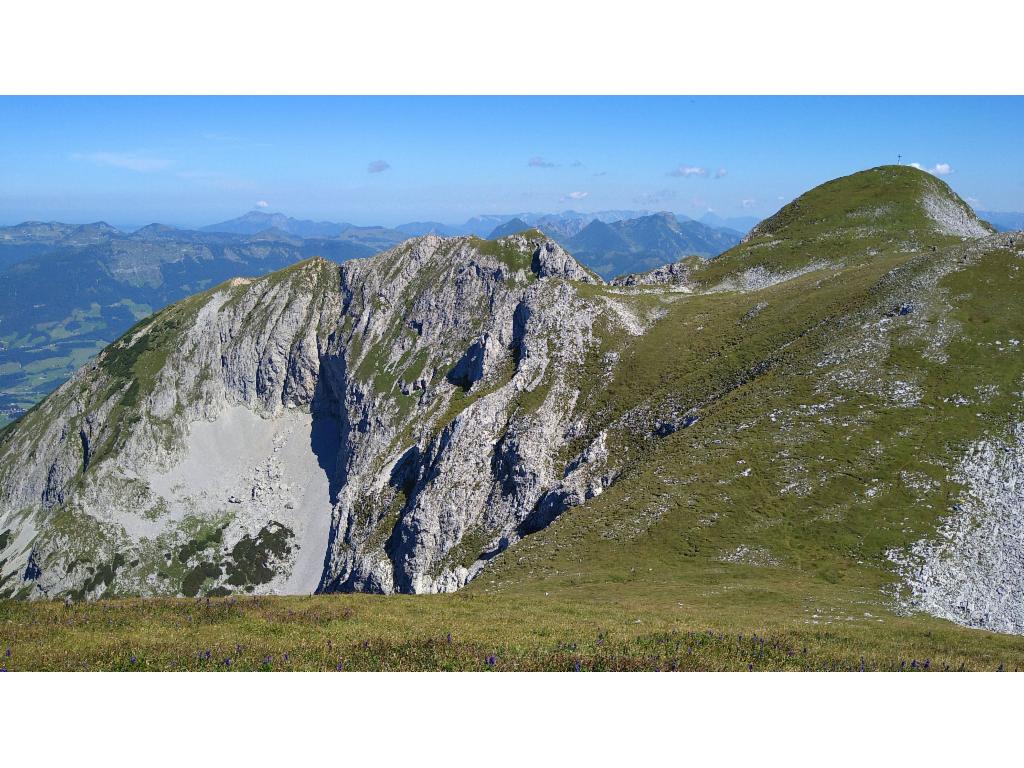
(972, 571)
(386, 425)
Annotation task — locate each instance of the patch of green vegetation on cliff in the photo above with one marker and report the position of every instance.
(507, 252)
(252, 558)
(194, 579)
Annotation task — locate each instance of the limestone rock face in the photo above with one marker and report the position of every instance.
(385, 425)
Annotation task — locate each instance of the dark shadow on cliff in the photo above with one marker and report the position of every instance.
(325, 442)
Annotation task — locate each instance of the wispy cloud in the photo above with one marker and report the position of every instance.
(140, 162)
(539, 162)
(262, 204)
(378, 166)
(749, 203)
(654, 198)
(688, 170)
(939, 169)
(721, 173)
(601, 173)
(575, 196)
(576, 164)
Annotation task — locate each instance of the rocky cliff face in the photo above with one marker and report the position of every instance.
(387, 425)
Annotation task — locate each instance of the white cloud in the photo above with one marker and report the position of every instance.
(749, 203)
(262, 204)
(378, 166)
(539, 162)
(939, 169)
(577, 195)
(688, 170)
(720, 173)
(139, 162)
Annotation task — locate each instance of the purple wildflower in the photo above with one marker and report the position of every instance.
(449, 638)
(491, 661)
(133, 659)
(340, 667)
(578, 667)
(227, 662)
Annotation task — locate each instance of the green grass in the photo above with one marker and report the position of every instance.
(846, 220)
(720, 622)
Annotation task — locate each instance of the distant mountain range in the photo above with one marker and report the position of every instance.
(1005, 221)
(67, 290)
(741, 224)
(647, 242)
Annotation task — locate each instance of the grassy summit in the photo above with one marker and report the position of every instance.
(892, 208)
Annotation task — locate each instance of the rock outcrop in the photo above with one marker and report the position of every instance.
(387, 425)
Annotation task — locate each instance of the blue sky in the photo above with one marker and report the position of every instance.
(193, 161)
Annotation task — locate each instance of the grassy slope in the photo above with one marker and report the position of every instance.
(635, 579)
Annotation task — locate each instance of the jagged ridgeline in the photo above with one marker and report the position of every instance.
(835, 399)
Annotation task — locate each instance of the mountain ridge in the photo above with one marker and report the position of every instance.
(780, 419)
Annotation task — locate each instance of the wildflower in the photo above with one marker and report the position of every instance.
(3, 668)
(913, 664)
(8, 653)
(927, 663)
(578, 668)
(266, 660)
(449, 638)
(750, 667)
(133, 659)
(286, 657)
(207, 655)
(491, 661)
(227, 662)
(366, 643)
(340, 667)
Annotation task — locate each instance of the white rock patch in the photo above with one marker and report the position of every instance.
(972, 572)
